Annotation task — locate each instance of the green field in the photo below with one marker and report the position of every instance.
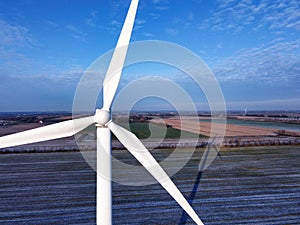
(147, 130)
(142, 131)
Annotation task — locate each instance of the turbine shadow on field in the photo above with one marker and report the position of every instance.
(184, 215)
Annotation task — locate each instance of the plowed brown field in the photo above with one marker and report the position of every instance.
(204, 128)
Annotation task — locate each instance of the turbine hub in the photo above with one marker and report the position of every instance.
(102, 117)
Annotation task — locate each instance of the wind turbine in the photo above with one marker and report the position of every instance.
(246, 110)
(102, 119)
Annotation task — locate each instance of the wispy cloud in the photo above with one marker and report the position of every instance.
(114, 26)
(154, 16)
(230, 15)
(118, 7)
(172, 31)
(161, 4)
(37, 93)
(76, 32)
(42, 82)
(52, 24)
(14, 38)
(236, 15)
(91, 20)
(190, 16)
(139, 24)
(148, 35)
(160, 1)
(281, 14)
(276, 62)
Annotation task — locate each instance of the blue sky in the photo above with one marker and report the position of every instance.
(252, 46)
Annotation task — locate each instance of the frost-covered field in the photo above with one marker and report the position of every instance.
(245, 186)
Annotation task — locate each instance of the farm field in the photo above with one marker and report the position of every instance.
(193, 125)
(142, 131)
(258, 185)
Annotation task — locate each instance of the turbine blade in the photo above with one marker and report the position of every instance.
(50, 132)
(114, 71)
(138, 150)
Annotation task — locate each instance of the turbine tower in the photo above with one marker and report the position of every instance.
(102, 119)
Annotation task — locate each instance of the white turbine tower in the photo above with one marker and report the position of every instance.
(105, 126)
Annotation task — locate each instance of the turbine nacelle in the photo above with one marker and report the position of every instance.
(102, 117)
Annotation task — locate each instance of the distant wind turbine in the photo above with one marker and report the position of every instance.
(105, 126)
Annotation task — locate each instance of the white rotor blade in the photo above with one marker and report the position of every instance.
(138, 150)
(114, 71)
(50, 132)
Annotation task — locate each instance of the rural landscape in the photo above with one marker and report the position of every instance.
(150, 112)
(254, 129)
(253, 180)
